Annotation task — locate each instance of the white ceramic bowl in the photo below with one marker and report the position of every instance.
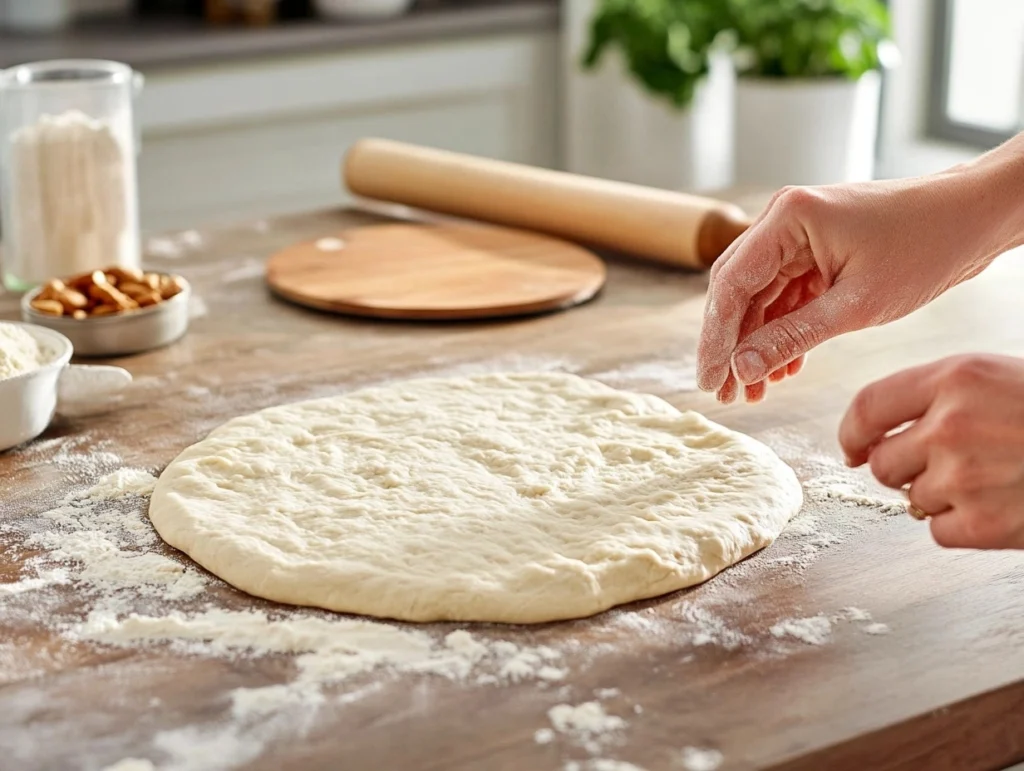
(28, 401)
(361, 10)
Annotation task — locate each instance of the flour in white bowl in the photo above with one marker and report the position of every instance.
(19, 351)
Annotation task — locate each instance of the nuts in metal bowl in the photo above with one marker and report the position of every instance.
(107, 292)
(113, 312)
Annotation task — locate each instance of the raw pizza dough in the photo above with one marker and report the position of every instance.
(516, 498)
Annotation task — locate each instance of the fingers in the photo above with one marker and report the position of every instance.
(884, 406)
(784, 340)
(900, 458)
(729, 390)
(980, 527)
(928, 494)
(748, 271)
(755, 393)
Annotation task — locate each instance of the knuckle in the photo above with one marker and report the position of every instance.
(796, 201)
(792, 337)
(947, 431)
(967, 371)
(962, 477)
(882, 468)
(863, 408)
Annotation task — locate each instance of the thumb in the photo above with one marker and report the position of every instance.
(779, 342)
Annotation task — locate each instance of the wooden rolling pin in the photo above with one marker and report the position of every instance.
(659, 225)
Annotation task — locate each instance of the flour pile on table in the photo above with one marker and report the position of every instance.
(698, 759)
(813, 631)
(19, 351)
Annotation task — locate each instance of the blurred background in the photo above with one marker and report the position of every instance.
(249, 105)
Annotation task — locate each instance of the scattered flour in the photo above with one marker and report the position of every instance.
(697, 759)
(586, 723)
(544, 736)
(45, 578)
(329, 650)
(163, 248)
(250, 269)
(173, 247)
(668, 376)
(19, 352)
(862, 616)
(124, 481)
(193, 239)
(813, 631)
(602, 764)
(78, 459)
(441, 366)
(330, 244)
(855, 614)
(711, 630)
(848, 488)
(132, 764)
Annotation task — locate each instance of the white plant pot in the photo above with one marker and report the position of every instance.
(614, 129)
(806, 132)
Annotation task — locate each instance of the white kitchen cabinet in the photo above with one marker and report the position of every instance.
(252, 139)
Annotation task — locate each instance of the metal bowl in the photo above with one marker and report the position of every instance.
(120, 335)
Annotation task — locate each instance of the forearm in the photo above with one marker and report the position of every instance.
(992, 196)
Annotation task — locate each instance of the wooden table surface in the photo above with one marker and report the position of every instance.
(943, 690)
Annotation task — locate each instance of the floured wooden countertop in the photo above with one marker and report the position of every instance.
(852, 643)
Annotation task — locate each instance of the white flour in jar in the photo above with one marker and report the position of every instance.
(19, 352)
(72, 186)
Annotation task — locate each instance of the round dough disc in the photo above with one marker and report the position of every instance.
(517, 498)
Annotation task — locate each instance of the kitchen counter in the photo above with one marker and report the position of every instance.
(919, 664)
(150, 44)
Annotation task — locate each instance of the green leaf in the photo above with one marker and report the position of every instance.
(667, 43)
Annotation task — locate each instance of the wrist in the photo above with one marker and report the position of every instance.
(992, 197)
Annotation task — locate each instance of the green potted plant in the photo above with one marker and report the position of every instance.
(809, 87)
(666, 44)
(649, 96)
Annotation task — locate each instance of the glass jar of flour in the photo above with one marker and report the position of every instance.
(68, 188)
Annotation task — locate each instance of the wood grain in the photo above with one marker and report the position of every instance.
(437, 272)
(943, 690)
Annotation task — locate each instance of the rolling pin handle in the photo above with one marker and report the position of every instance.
(719, 229)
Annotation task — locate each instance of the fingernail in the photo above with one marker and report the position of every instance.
(749, 367)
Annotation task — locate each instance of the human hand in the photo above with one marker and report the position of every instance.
(823, 261)
(963, 452)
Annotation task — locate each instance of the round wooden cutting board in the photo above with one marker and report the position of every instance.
(439, 272)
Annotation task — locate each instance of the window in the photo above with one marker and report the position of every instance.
(978, 94)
